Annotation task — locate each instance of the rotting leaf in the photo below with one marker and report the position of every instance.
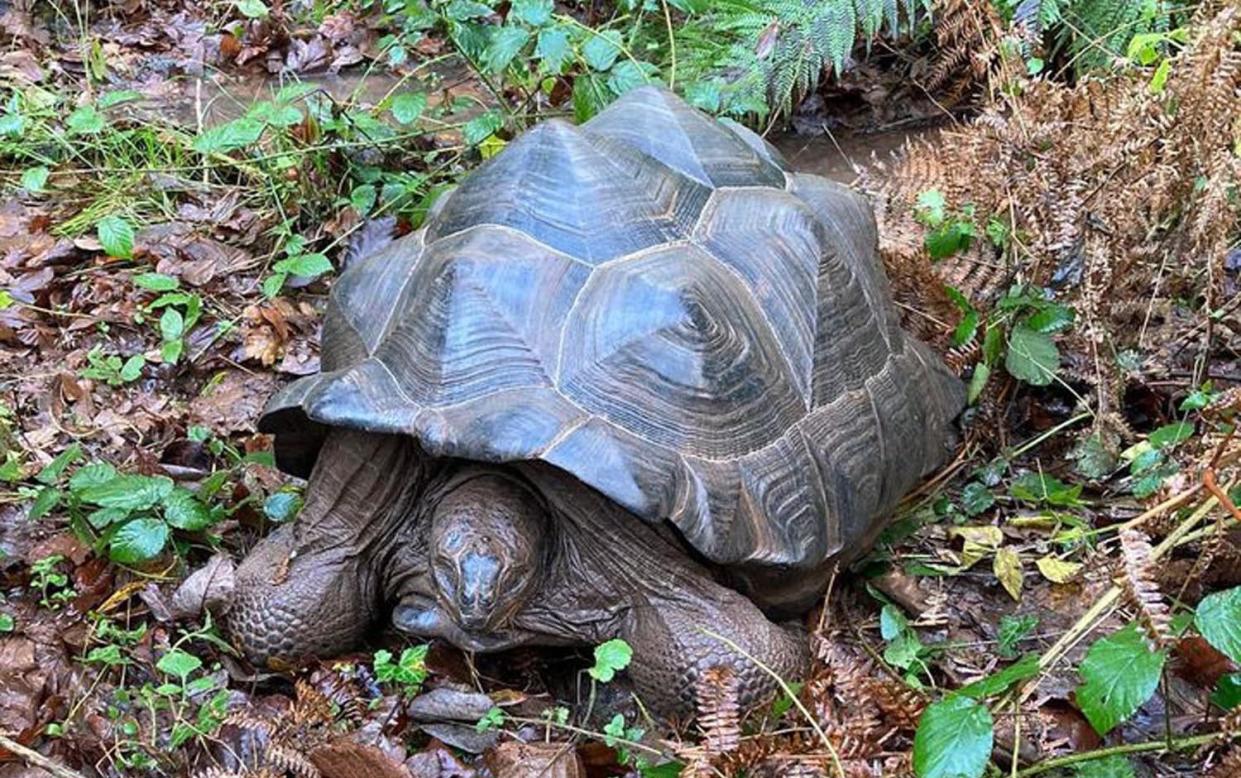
(1007, 568)
(1057, 570)
(979, 542)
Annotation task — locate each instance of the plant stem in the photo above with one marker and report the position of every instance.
(1164, 746)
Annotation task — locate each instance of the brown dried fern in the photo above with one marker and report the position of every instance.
(1142, 588)
(719, 710)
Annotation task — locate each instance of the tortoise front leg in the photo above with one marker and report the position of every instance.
(676, 641)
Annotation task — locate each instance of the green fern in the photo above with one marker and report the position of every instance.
(1092, 33)
(756, 56)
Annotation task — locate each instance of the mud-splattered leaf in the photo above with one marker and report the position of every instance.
(1007, 568)
(1057, 570)
(1219, 621)
(610, 657)
(138, 541)
(1119, 674)
(953, 739)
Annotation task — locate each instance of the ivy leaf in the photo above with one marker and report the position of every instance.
(601, 51)
(609, 657)
(953, 739)
(1219, 620)
(138, 541)
(1119, 674)
(116, 236)
(407, 107)
(1032, 356)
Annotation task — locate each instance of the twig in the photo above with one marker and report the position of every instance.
(1163, 746)
(38, 760)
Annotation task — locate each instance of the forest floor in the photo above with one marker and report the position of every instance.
(172, 220)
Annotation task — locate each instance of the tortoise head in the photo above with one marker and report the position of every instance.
(487, 550)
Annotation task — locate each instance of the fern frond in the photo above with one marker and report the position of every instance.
(719, 710)
(1143, 591)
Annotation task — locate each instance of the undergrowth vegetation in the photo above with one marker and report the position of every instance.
(1061, 601)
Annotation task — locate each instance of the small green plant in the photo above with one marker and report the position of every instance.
(111, 369)
(407, 674)
(904, 650)
(948, 232)
(491, 720)
(1150, 463)
(610, 657)
(52, 584)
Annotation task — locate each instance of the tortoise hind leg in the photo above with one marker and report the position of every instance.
(675, 641)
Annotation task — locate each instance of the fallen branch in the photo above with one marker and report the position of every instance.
(38, 760)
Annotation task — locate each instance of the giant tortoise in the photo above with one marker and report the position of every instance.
(634, 378)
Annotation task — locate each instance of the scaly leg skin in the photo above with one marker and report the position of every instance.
(672, 649)
(313, 589)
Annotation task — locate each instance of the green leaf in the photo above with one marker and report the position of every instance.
(171, 324)
(1041, 488)
(1160, 78)
(133, 368)
(179, 663)
(91, 475)
(931, 208)
(1032, 356)
(1219, 620)
(976, 498)
(1170, 434)
(1227, 694)
(128, 492)
(609, 657)
(116, 235)
(1113, 766)
(252, 9)
(305, 265)
(1025, 668)
(7, 623)
(630, 75)
(892, 622)
(978, 382)
(1050, 317)
(492, 719)
(535, 13)
(1119, 674)
(47, 499)
(171, 351)
(156, 282)
(273, 284)
(236, 134)
(505, 44)
(184, 511)
(481, 127)
(949, 238)
(966, 329)
(53, 470)
(118, 96)
(552, 49)
(362, 198)
(138, 541)
(34, 179)
(407, 107)
(106, 517)
(953, 739)
(276, 114)
(86, 120)
(282, 506)
(601, 51)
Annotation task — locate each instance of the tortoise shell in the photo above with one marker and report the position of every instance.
(654, 303)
